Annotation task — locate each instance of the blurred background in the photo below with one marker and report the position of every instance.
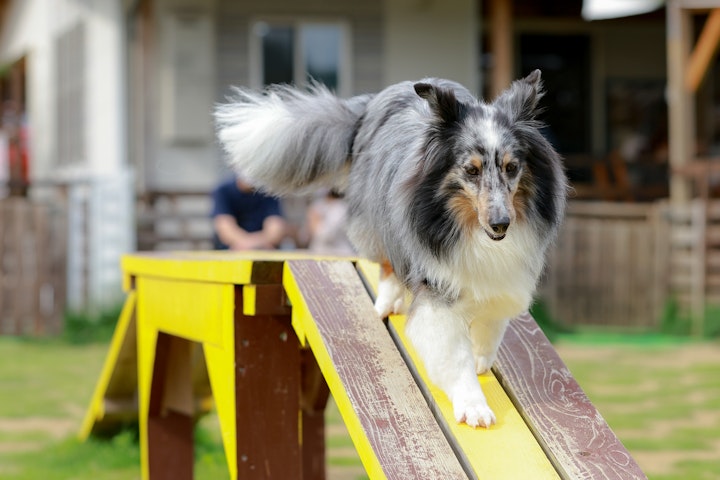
(107, 147)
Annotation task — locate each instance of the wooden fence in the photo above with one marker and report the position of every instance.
(694, 257)
(174, 220)
(32, 267)
(609, 266)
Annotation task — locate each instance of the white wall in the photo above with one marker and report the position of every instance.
(437, 38)
(31, 29)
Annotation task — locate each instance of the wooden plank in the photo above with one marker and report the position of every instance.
(704, 52)
(488, 454)
(573, 433)
(118, 375)
(313, 401)
(507, 450)
(169, 425)
(267, 400)
(265, 300)
(608, 210)
(389, 422)
(239, 268)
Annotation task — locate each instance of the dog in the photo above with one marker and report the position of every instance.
(456, 198)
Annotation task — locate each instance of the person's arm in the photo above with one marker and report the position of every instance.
(274, 230)
(236, 238)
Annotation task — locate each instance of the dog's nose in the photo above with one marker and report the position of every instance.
(500, 227)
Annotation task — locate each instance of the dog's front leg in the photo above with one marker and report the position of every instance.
(391, 293)
(486, 336)
(439, 333)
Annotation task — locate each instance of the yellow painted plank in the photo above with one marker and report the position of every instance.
(221, 370)
(201, 267)
(304, 327)
(249, 300)
(198, 311)
(507, 450)
(187, 309)
(209, 266)
(370, 272)
(147, 336)
(96, 411)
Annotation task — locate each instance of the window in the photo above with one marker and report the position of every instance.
(300, 52)
(564, 61)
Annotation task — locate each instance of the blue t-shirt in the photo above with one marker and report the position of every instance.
(250, 209)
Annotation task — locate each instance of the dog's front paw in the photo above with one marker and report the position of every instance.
(473, 410)
(390, 299)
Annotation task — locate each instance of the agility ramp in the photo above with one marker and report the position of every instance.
(278, 332)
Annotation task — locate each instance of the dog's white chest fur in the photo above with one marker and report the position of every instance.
(496, 279)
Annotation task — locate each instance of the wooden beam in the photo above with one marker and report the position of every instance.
(703, 52)
(681, 115)
(501, 43)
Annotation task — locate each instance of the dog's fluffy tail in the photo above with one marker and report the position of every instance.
(287, 140)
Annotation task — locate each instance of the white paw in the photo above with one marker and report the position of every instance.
(390, 299)
(483, 364)
(470, 406)
(473, 411)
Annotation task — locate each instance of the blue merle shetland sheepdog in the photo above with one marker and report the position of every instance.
(456, 198)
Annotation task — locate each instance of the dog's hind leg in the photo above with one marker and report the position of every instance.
(391, 293)
(439, 334)
(486, 336)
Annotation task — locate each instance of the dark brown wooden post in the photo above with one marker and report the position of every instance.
(315, 393)
(268, 375)
(170, 413)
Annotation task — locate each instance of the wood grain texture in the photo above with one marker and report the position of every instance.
(392, 427)
(573, 433)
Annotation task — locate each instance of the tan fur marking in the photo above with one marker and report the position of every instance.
(477, 161)
(385, 269)
(463, 204)
(464, 210)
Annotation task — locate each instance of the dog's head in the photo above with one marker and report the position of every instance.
(481, 153)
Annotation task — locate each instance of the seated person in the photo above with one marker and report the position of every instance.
(244, 218)
(327, 222)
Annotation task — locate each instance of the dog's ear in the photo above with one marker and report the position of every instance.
(443, 102)
(520, 101)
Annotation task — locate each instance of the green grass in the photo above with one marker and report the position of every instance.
(660, 397)
(662, 402)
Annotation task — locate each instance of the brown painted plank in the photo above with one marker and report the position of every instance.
(573, 433)
(267, 386)
(393, 429)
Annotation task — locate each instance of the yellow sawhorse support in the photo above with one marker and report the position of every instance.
(271, 367)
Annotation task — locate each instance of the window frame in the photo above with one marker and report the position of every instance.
(299, 73)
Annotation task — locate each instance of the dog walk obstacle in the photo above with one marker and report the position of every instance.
(269, 336)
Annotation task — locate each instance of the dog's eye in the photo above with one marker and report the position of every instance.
(472, 170)
(511, 168)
